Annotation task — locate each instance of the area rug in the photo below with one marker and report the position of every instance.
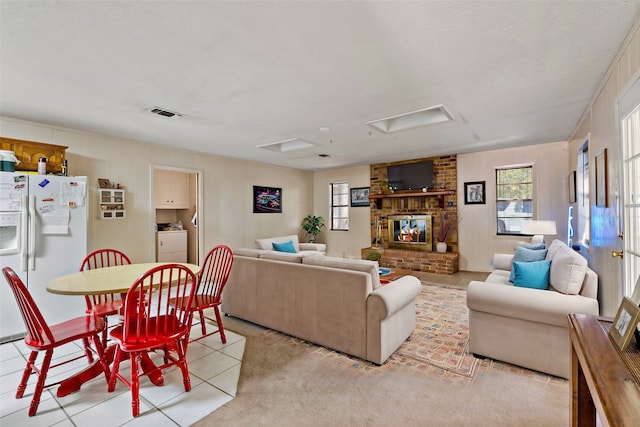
(441, 335)
(430, 380)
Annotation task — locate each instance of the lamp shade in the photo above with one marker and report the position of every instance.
(539, 227)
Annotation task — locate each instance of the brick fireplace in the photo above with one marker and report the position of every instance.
(432, 204)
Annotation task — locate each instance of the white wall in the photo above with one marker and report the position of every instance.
(227, 215)
(342, 243)
(477, 236)
(599, 121)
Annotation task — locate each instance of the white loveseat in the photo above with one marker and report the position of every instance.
(304, 248)
(529, 327)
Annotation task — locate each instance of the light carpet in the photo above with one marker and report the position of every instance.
(431, 380)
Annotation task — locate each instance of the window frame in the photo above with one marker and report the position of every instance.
(334, 207)
(520, 208)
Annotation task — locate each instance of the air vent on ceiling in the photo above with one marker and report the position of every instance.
(164, 113)
(413, 119)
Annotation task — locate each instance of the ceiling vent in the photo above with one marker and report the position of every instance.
(413, 119)
(164, 113)
(292, 144)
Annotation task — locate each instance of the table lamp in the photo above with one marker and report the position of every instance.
(539, 229)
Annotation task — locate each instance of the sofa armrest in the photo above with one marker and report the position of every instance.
(502, 261)
(318, 247)
(385, 301)
(535, 305)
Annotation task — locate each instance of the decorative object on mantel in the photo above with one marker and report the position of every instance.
(313, 226)
(446, 228)
(377, 240)
(474, 193)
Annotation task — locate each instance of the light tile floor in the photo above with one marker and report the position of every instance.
(214, 370)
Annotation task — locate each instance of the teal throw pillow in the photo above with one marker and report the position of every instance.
(532, 274)
(526, 255)
(284, 247)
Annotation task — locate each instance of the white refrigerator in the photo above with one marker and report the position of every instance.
(43, 235)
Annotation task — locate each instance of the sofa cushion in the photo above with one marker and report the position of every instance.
(284, 247)
(532, 274)
(249, 252)
(567, 273)
(526, 255)
(282, 256)
(267, 243)
(366, 266)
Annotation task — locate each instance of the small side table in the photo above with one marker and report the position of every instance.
(603, 381)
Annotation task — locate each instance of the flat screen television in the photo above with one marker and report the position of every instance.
(411, 176)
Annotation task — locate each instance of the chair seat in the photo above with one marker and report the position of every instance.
(107, 308)
(67, 331)
(167, 328)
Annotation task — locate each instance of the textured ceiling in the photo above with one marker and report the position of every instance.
(245, 74)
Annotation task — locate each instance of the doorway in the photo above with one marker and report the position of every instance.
(629, 203)
(185, 187)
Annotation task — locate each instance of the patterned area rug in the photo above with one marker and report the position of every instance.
(441, 336)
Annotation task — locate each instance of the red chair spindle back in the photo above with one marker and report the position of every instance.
(155, 316)
(100, 259)
(37, 327)
(215, 273)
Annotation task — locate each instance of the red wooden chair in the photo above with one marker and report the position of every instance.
(106, 304)
(155, 318)
(211, 282)
(42, 337)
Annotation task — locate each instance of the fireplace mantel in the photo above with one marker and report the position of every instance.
(377, 198)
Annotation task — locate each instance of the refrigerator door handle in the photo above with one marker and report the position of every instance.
(32, 232)
(24, 233)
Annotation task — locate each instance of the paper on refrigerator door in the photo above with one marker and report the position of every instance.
(72, 193)
(54, 220)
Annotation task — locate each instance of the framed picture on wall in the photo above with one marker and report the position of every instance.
(360, 196)
(601, 178)
(474, 193)
(267, 199)
(572, 187)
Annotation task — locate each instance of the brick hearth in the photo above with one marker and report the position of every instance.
(406, 259)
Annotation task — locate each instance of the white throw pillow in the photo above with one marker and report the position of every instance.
(567, 273)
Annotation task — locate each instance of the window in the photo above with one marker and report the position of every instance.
(514, 198)
(582, 195)
(340, 206)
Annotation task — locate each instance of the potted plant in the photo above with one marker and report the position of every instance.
(312, 225)
(446, 228)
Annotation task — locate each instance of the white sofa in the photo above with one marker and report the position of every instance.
(305, 248)
(529, 327)
(334, 302)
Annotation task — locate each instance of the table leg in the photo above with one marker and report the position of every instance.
(151, 370)
(73, 383)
